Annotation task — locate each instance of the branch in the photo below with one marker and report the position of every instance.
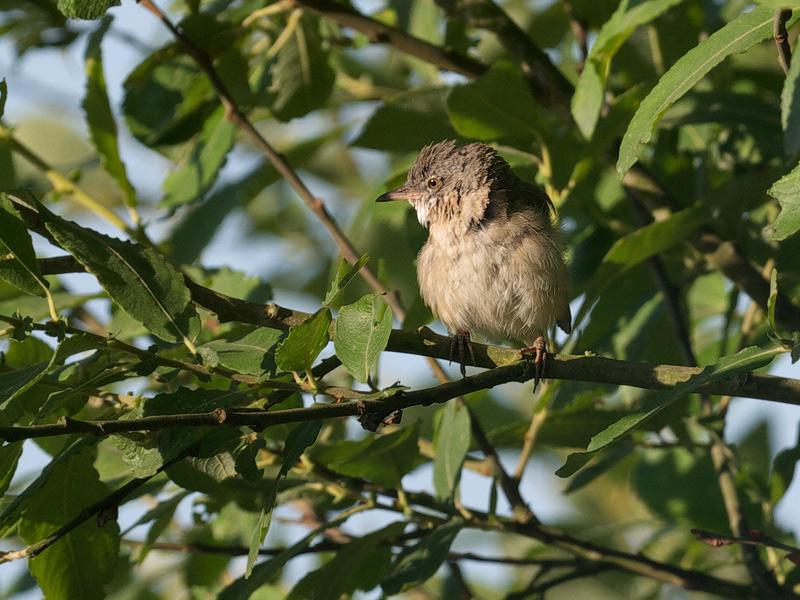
(593, 369)
(751, 537)
(782, 15)
(585, 551)
(518, 371)
(380, 33)
(508, 484)
(331, 546)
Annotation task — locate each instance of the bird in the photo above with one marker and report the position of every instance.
(492, 264)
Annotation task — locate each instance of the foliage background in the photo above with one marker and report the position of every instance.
(706, 148)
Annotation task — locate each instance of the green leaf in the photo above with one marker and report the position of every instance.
(421, 561)
(636, 247)
(3, 96)
(259, 535)
(772, 300)
(304, 342)
(408, 122)
(166, 98)
(145, 454)
(590, 89)
(161, 515)
(15, 382)
(141, 281)
(301, 75)
(362, 332)
(749, 359)
(299, 439)
(776, 4)
(383, 459)
(77, 565)
(198, 169)
(692, 496)
(783, 468)
(11, 513)
(244, 587)
(18, 264)
(99, 118)
(9, 457)
(451, 440)
(249, 354)
(85, 9)
(345, 273)
(790, 111)
(360, 565)
(297, 442)
(787, 192)
(739, 35)
(498, 104)
(192, 235)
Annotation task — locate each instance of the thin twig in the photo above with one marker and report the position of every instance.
(782, 15)
(748, 538)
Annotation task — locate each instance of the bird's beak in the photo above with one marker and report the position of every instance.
(401, 193)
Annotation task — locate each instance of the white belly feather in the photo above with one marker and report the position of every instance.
(501, 289)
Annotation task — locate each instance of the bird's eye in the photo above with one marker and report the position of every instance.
(433, 183)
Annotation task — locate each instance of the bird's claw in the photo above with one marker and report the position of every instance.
(538, 352)
(461, 342)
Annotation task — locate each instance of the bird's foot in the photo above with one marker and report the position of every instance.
(538, 352)
(460, 342)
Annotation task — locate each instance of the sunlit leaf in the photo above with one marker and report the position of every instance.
(197, 170)
(302, 79)
(787, 192)
(138, 279)
(304, 343)
(85, 9)
(749, 359)
(590, 89)
(362, 332)
(737, 36)
(249, 354)
(451, 440)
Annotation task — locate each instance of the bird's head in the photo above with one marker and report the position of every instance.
(450, 183)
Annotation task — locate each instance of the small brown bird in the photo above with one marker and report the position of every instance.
(492, 264)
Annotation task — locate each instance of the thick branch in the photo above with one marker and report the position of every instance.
(577, 366)
(594, 369)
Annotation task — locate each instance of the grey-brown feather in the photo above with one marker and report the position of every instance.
(492, 263)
